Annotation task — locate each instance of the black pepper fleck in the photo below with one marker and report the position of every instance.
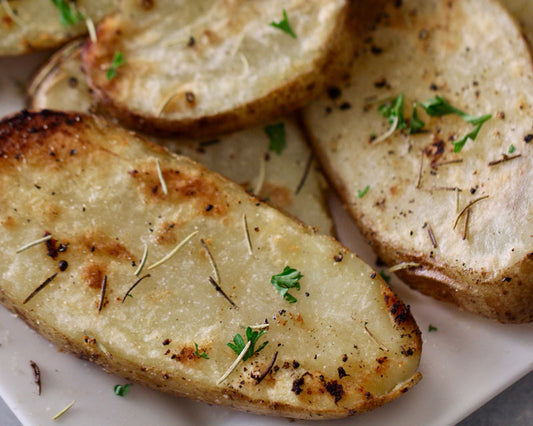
(333, 92)
(342, 372)
(63, 265)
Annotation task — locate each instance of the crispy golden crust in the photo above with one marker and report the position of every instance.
(342, 348)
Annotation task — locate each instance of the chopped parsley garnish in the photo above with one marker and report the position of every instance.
(362, 193)
(512, 149)
(385, 277)
(393, 110)
(121, 390)
(203, 354)
(118, 61)
(276, 135)
(434, 107)
(252, 336)
(284, 25)
(69, 14)
(458, 145)
(438, 106)
(415, 125)
(289, 278)
(432, 328)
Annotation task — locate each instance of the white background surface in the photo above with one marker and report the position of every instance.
(466, 362)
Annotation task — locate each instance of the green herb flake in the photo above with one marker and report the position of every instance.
(68, 13)
(238, 344)
(121, 390)
(415, 124)
(284, 25)
(203, 354)
(393, 110)
(432, 328)
(276, 135)
(459, 144)
(118, 61)
(512, 149)
(385, 277)
(439, 106)
(289, 278)
(362, 193)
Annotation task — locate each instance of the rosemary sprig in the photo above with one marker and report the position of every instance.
(34, 243)
(462, 212)
(173, 251)
(142, 261)
(161, 178)
(63, 411)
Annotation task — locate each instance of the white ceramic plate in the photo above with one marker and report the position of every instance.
(466, 362)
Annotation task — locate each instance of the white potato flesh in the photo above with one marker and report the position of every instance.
(472, 54)
(347, 345)
(290, 180)
(26, 26)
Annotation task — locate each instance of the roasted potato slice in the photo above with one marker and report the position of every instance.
(213, 66)
(27, 26)
(289, 180)
(460, 222)
(97, 192)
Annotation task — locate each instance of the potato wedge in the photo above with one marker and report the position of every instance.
(461, 222)
(213, 66)
(290, 180)
(27, 26)
(347, 345)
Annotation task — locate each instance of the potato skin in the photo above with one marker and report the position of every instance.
(94, 187)
(304, 83)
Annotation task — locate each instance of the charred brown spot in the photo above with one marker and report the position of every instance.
(342, 372)
(28, 135)
(297, 385)
(165, 233)
(183, 186)
(435, 151)
(9, 222)
(187, 353)
(102, 244)
(93, 274)
(52, 246)
(400, 312)
(147, 4)
(335, 389)
(338, 257)
(407, 352)
(190, 97)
